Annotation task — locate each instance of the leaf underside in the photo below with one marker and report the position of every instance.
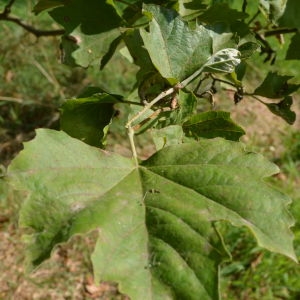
(155, 221)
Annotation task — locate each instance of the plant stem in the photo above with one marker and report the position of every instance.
(223, 81)
(5, 16)
(162, 95)
(280, 31)
(191, 78)
(256, 98)
(149, 105)
(132, 145)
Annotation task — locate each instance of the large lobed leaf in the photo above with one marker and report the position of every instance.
(181, 50)
(155, 221)
(276, 86)
(87, 118)
(213, 124)
(47, 4)
(90, 30)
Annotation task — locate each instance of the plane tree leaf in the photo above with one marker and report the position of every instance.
(283, 109)
(189, 8)
(213, 124)
(170, 135)
(90, 30)
(221, 12)
(155, 221)
(274, 8)
(181, 50)
(293, 51)
(184, 50)
(276, 86)
(88, 118)
(47, 4)
(290, 17)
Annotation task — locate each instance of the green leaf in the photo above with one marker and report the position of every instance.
(90, 30)
(189, 8)
(293, 51)
(276, 86)
(290, 18)
(221, 12)
(247, 49)
(223, 61)
(283, 109)
(155, 221)
(181, 50)
(213, 124)
(274, 8)
(87, 118)
(222, 37)
(47, 4)
(136, 47)
(167, 136)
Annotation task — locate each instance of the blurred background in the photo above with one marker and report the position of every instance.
(34, 84)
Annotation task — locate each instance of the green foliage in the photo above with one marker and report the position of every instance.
(155, 233)
(213, 124)
(86, 118)
(158, 219)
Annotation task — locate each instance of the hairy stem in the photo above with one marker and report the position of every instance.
(132, 145)
(162, 95)
(149, 105)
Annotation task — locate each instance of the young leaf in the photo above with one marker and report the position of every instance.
(221, 12)
(276, 86)
(155, 221)
(293, 51)
(283, 109)
(223, 61)
(181, 50)
(88, 118)
(46, 4)
(247, 49)
(274, 8)
(90, 30)
(213, 124)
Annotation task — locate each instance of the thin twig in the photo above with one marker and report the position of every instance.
(149, 105)
(31, 29)
(244, 6)
(162, 95)
(5, 16)
(224, 81)
(278, 31)
(7, 8)
(255, 97)
(254, 17)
